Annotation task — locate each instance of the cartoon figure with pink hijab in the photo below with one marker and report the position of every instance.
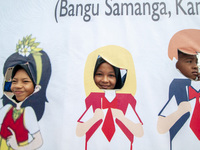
(184, 47)
(27, 73)
(110, 86)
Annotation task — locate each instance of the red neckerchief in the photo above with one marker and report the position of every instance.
(108, 127)
(195, 120)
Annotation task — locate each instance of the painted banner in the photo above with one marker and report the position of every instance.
(100, 75)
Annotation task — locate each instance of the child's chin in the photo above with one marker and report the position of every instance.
(194, 78)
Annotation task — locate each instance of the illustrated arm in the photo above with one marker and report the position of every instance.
(166, 122)
(3, 112)
(177, 90)
(31, 125)
(83, 127)
(34, 144)
(135, 128)
(90, 116)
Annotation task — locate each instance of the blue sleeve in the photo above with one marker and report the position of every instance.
(177, 88)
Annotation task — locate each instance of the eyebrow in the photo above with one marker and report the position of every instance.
(102, 71)
(188, 57)
(22, 78)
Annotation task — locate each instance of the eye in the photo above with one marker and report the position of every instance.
(111, 75)
(26, 81)
(14, 81)
(189, 61)
(98, 74)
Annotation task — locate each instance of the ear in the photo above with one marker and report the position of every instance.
(176, 65)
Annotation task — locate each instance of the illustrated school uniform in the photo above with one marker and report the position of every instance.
(22, 122)
(181, 132)
(121, 102)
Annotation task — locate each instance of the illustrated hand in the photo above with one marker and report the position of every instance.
(11, 140)
(184, 107)
(117, 113)
(98, 114)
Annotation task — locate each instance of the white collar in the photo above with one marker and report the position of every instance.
(110, 95)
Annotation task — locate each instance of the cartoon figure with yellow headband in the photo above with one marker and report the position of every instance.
(110, 86)
(27, 73)
(184, 46)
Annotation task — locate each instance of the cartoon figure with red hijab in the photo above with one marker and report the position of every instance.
(184, 46)
(27, 73)
(110, 102)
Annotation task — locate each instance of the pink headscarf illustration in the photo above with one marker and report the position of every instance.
(184, 46)
(98, 100)
(20, 118)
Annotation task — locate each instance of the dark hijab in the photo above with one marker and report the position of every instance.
(118, 85)
(25, 68)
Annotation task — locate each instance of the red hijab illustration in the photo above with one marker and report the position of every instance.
(119, 99)
(184, 46)
(19, 118)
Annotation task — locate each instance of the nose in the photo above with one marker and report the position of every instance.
(105, 79)
(17, 85)
(195, 66)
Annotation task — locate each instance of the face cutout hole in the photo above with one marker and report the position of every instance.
(107, 76)
(123, 75)
(18, 78)
(198, 61)
(188, 65)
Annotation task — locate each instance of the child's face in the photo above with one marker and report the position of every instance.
(105, 76)
(22, 86)
(187, 64)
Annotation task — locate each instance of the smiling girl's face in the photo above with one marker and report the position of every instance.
(22, 86)
(105, 77)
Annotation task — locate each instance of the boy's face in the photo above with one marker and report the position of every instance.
(187, 64)
(105, 76)
(22, 86)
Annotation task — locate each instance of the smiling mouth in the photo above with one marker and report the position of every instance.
(18, 92)
(104, 86)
